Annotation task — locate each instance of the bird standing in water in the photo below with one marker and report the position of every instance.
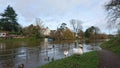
(65, 53)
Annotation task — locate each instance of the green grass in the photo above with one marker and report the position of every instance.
(19, 39)
(113, 45)
(20, 42)
(87, 60)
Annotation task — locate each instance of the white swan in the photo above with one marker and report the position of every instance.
(65, 53)
(78, 50)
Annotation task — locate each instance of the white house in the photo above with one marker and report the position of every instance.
(46, 31)
(3, 34)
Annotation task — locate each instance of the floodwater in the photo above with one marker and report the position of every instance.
(32, 57)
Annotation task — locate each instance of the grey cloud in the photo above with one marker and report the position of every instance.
(35, 8)
(52, 10)
(31, 9)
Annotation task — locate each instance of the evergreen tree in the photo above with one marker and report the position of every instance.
(91, 31)
(9, 20)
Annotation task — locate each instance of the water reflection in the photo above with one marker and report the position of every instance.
(2, 46)
(32, 57)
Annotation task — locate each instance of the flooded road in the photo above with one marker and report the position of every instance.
(33, 57)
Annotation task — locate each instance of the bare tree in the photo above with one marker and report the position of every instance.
(76, 24)
(113, 9)
(40, 24)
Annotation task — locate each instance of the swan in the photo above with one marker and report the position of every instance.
(65, 53)
(78, 50)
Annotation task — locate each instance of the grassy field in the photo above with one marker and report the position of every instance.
(87, 60)
(112, 45)
(19, 39)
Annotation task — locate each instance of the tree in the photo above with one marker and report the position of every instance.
(81, 35)
(32, 31)
(76, 24)
(67, 34)
(53, 34)
(63, 32)
(118, 32)
(40, 24)
(91, 31)
(63, 26)
(59, 34)
(9, 20)
(113, 9)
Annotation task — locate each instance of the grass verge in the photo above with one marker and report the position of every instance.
(20, 42)
(87, 60)
(112, 45)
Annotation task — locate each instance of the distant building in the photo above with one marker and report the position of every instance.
(3, 34)
(46, 31)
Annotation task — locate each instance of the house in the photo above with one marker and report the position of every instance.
(3, 34)
(46, 31)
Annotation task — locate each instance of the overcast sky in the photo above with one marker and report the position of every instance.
(55, 12)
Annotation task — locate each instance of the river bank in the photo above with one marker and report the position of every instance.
(87, 60)
(19, 39)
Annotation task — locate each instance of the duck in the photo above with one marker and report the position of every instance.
(78, 50)
(65, 53)
(21, 66)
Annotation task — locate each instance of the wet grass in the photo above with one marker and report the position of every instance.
(87, 60)
(113, 45)
(19, 39)
(20, 42)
